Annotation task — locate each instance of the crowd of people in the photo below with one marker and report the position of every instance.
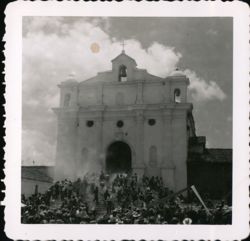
(119, 199)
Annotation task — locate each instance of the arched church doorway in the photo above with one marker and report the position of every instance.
(118, 158)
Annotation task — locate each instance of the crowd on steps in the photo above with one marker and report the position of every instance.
(119, 199)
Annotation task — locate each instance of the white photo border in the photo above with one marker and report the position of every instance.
(13, 68)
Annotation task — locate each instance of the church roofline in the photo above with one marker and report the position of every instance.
(93, 81)
(104, 72)
(38, 173)
(212, 155)
(123, 53)
(68, 83)
(146, 107)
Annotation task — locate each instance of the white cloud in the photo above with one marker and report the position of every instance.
(158, 59)
(201, 90)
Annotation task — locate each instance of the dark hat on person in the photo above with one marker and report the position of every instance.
(174, 220)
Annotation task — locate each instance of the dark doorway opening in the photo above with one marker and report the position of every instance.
(118, 158)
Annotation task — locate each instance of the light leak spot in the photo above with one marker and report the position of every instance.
(95, 48)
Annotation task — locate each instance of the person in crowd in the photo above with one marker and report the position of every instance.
(96, 194)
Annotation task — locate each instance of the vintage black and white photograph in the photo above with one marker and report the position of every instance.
(128, 120)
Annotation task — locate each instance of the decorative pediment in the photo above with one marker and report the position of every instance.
(123, 58)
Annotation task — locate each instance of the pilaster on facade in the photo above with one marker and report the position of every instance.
(139, 93)
(167, 161)
(100, 140)
(140, 139)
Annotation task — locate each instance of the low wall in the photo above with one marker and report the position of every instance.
(28, 186)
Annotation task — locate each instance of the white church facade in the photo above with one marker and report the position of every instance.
(125, 120)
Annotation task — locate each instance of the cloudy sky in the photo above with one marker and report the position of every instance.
(53, 47)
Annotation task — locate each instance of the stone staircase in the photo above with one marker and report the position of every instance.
(101, 208)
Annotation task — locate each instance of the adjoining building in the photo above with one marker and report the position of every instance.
(36, 179)
(125, 120)
(210, 169)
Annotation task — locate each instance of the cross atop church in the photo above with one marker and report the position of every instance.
(123, 45)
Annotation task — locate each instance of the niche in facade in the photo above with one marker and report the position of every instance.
(120, 124)
(90, 123)
(66, 100)
(177, 96)
(153, 156)
(122, 73)
(151, 122)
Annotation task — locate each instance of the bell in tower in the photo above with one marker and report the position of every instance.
(123, 73)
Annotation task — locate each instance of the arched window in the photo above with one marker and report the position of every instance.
(122, 73)
(153, 156)
(66, 100)
(177, 96)
(119, 98)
